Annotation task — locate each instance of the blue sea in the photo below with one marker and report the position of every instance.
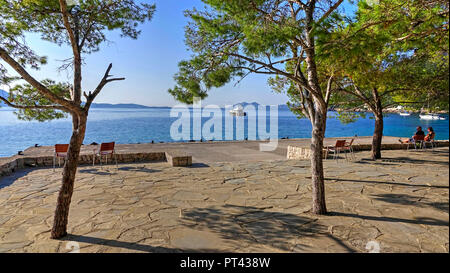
(147, 125)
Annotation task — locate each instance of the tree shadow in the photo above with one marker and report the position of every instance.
(94, 171)
(440, 152)
(402, 199)
(443, 206)
(377, 162)
(127, 168)
(138, 169)
(198, 165)
(403, 159)
(418, 161)
(119, 244)
(405, 199)
(251, 225)
(418, 221)
(410, 159)
(387, 183)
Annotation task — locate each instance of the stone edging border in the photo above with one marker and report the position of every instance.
(297, 152)
(175, 158)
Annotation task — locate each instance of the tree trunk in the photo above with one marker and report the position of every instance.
(70, 168)
(318, 186)
(378, 132)
(377, 137)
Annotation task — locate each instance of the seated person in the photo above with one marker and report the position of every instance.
(430, 136)
(419, 135)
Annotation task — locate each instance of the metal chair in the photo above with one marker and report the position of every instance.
(60, 152)
(417, 139)
(337, 148)
(349, 146)
(105, 149)
(429, 141)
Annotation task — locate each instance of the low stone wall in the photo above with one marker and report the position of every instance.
(296, 152)
(178, 158)
(175, 158)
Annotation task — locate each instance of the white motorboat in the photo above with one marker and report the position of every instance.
(238, 111)
(405, 114)
(431, 117)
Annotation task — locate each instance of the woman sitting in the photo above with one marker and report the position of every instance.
(431, 134)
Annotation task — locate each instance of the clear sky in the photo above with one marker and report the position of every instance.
(149, 64)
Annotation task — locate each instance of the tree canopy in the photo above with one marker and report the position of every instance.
(398, 47)
(81, 26)
(231, 39)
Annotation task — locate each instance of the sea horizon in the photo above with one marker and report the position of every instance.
(132, 126)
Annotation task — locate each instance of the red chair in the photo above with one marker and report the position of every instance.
(429, 140)
(337, 148)
(60, 151)
(105, 149)
(417, 139)
(349, 147)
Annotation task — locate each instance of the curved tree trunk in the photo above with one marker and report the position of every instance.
(318, 186)
(70, 168)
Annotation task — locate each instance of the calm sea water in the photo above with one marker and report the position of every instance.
(145, 125)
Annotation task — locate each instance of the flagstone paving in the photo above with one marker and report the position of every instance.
(400, 202)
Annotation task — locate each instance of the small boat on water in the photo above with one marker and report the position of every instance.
(238, 111)
(405, 113)
(431, 117)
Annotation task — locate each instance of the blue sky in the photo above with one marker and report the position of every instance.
(149, 63)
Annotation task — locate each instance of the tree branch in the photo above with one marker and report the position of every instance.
(271, 68)
(33, 106)
(65, 17)
(299, 41)
(36, 84)
(303, 5)
(91, 96)
(328, 93)
(330, 10)
(357, 93)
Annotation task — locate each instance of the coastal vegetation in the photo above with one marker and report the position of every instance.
(82, 26)
(235, 38)
(390, 52)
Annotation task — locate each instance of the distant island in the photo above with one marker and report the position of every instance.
(124, 105)
(5, 94)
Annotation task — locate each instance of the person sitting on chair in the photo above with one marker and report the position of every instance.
(418, 135)
(430, 135)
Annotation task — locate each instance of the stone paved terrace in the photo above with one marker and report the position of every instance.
(402, 202)
(217, 151)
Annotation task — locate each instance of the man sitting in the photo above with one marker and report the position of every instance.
(419, 135)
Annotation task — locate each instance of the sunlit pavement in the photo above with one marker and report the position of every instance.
(399, 203)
